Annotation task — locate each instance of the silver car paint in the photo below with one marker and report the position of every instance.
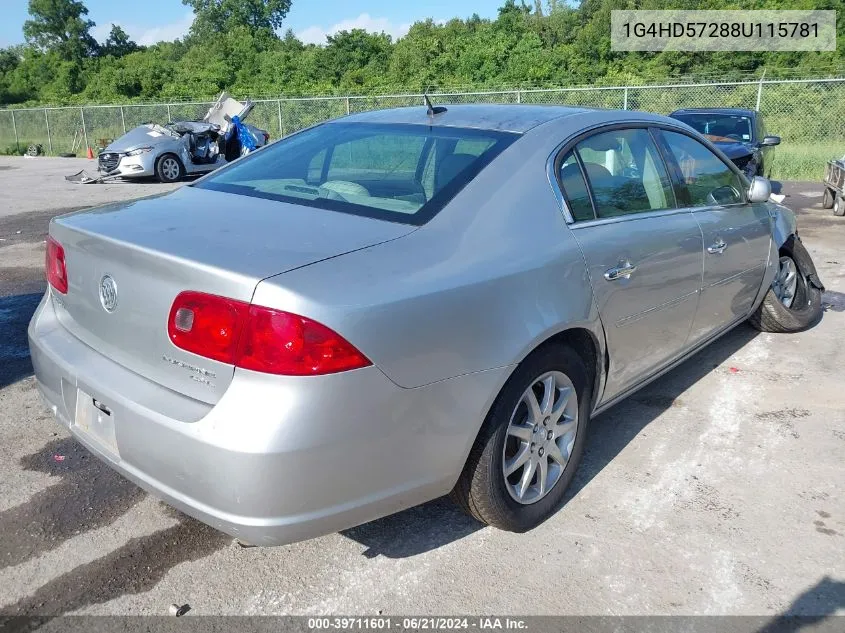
(192, 239)
(736, 250)
(445, 312)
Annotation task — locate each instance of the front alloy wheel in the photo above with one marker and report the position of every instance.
(786, 281)
(540, 437)
(794, 300)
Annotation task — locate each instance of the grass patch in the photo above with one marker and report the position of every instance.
(804, 162)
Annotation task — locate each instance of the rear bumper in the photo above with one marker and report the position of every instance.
(278, 459)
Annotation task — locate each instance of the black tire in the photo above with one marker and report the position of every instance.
(806, 308)
(164, 171)
(839, 206)
(828, 198)
(480, 490)
(67, 155)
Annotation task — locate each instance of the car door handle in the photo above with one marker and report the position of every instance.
(717, 248)
(622, 271)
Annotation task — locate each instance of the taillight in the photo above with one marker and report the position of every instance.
(55, 267)
(207, 325)
(258, 338)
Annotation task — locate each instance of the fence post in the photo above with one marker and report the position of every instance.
(84, 131)
(519, 96)
(49, 138)
(281, 127)
(15, 128)
(169, 119)
(123, 119)
(625, 99)
(760, 90)
(347, 105)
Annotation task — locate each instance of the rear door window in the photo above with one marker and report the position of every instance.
(400, 173)
(625, 173)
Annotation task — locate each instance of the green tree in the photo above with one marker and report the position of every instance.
(355, 58)
(219, 16)
(118, 43)
(61, 26)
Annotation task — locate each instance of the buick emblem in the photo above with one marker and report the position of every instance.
(108, 293)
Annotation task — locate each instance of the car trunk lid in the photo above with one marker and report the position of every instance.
(191, 239)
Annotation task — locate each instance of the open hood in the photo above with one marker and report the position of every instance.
(225, 108)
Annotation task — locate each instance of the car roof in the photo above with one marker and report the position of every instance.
(737, 111)
(499, 117)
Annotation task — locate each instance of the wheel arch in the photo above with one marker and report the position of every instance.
(587, 341)
(587, 345)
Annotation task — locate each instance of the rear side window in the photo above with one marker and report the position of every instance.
(575, 189)
(400, 173)
(704, 180)
(625, 173)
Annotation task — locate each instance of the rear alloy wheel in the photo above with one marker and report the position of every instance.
(540, 437)
(794, 302)
(828, 198)
(839, 206)
(169, 168)
(530, 444)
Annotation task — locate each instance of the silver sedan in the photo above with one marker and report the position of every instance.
(400, 304)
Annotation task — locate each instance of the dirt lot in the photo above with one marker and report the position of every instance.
(717, 490)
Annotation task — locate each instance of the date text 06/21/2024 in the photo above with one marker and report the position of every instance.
(422, 623)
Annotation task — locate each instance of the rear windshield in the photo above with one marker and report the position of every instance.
(400, 173)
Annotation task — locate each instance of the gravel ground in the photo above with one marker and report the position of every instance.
(716, 490)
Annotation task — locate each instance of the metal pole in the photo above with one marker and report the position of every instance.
(519, 96)
(49, 138)
(84, 131)
(625, 99)
(123, 119)
(281, 127)
(347, 105)
(15, 128)
(169, 119)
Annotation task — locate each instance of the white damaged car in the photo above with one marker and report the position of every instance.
(169, 152)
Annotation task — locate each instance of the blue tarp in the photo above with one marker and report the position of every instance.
(245, 138)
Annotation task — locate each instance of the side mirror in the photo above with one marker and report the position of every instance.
(769, 141)
(760, 189)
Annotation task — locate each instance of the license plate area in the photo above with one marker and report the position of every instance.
(95, 419)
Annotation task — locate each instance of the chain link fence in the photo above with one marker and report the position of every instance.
(809, 115)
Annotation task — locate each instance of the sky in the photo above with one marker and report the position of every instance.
(150, 21)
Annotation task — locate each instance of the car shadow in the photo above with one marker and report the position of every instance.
(612, 430)
(15, 313)
(819, 603)
(440, 522)
(133, 568)
(84, 494)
